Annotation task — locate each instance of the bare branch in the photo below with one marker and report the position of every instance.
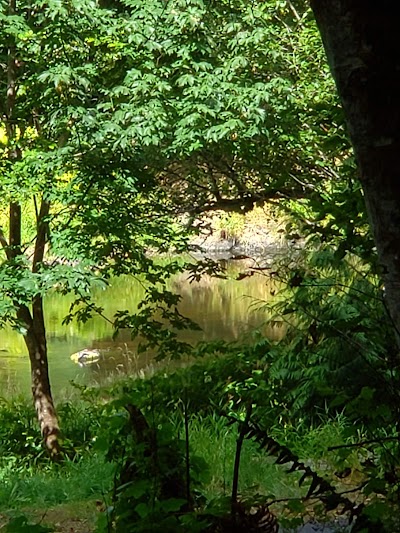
(294, 11)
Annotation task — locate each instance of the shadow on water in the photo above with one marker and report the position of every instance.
(224, 309)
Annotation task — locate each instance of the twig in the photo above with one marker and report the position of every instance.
(293, 9)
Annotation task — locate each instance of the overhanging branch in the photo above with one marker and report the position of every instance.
(242, 204)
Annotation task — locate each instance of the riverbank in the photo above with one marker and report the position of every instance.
(73, 495)
(255, 232)
(96, 434)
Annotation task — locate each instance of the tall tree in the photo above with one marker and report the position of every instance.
(363, 50)
(31, 319)
(94, 214)
(233, 95)
(117, 115)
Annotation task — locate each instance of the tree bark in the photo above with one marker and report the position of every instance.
(35, 340)
(361, 41)
(36, 343)
(35, 333)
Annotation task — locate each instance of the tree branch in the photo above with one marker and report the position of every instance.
(293, 9)
(41, 234)
(15, 230)
(242, 204)
(243, 430)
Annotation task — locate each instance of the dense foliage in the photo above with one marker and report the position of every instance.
(120, 122)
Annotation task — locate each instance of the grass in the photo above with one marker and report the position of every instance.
(91, 476)
(312, 444)
(215, 442)
(31, 484)
(64, 496)
(74, 481)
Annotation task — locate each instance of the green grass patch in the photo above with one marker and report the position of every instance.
(90, 477)
(215, 442)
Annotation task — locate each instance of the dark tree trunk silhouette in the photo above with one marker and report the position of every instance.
(361, 40)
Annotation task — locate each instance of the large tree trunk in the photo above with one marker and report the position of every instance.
(361, 40)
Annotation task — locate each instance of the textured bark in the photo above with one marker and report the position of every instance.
(361, 40)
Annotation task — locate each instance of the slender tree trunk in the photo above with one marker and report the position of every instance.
(361, 40)
(35, 335)
(35, 340)
(37, 348)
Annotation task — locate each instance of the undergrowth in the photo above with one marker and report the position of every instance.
(322, 403)
(91, 425)
(90, 477)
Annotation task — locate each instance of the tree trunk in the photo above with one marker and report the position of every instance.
(35, 340)
(35, 336)
(361, 40)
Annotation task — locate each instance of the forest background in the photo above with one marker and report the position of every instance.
(122, 125)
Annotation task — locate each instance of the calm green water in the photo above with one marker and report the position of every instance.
(224, 309)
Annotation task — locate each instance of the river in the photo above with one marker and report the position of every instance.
(224, 309)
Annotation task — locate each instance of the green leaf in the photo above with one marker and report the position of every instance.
(172, 505)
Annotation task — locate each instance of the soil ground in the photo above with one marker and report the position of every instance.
(77, 517)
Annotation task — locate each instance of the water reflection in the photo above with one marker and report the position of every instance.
(224, 309)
